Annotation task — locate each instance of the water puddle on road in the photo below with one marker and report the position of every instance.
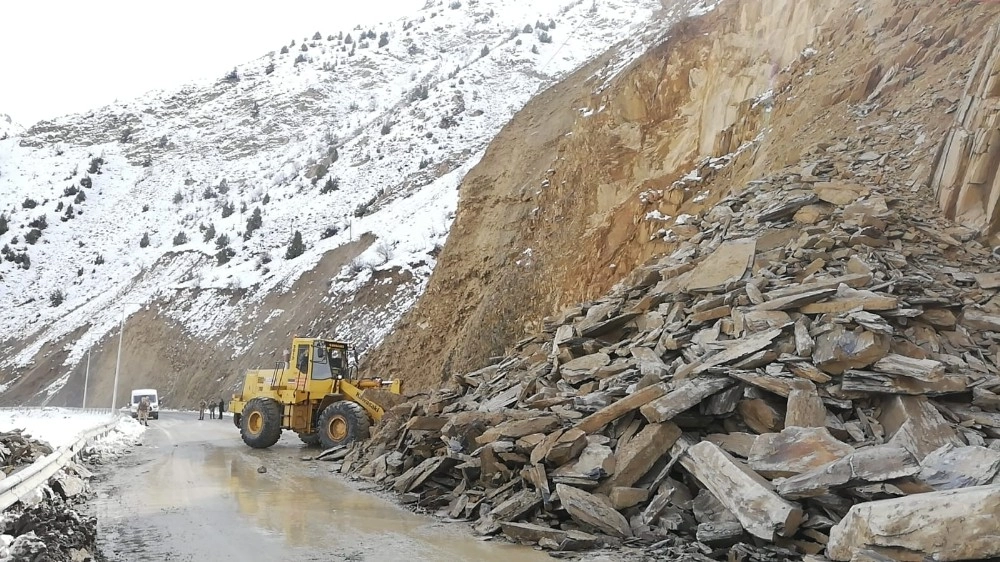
(184, 499)
(316, 509)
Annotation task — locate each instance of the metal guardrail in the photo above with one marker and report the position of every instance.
(75, 409)
(21, 483)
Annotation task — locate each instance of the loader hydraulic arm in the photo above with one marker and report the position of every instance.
(354, 393)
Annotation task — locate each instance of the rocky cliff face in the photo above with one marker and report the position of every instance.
(965, 170)
(593, 178)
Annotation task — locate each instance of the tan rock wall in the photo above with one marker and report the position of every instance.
(965, 173)
(555, 212)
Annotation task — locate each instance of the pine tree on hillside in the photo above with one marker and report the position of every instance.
(223, 256)
(4, 226)
(144, 241)
(253, 223)
(56, 297)
(296, 248)
(332, 184)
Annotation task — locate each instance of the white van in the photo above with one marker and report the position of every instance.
(154, 402)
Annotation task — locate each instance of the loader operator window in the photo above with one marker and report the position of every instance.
(336, 359)
(321, 367)
(302, 359)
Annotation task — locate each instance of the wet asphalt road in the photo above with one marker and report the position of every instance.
(192, 493)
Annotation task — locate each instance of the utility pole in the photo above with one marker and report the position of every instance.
(86, 381)
(121, 333)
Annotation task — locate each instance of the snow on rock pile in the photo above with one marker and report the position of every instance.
(124, 436)
(49, 531)
(45, 525)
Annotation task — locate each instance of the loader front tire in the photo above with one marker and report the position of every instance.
(342, 423)
(260, 424)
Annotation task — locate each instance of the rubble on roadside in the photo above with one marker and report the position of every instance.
(813, 372)
(18, 449)
(45, 525)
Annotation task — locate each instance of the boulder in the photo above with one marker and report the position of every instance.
(592, 510)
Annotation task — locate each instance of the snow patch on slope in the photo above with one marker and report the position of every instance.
(8, 128)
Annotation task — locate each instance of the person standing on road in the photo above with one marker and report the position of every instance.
(201, 409)
(211, 410)
(143, 411)
(222, 407)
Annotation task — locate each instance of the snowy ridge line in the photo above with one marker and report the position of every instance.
(20, 484)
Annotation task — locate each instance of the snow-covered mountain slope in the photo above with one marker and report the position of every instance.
(183, 198)
(9, 128)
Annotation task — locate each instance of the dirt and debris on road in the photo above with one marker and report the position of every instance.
(814, 368)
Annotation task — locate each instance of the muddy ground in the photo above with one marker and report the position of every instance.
(192, 492)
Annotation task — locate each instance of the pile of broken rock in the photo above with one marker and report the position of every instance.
(44, 525)
(812, 375)
(18, 450)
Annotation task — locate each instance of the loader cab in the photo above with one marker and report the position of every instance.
(328, 361)
(321, 360)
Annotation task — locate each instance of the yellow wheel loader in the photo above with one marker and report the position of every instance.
(313, 395)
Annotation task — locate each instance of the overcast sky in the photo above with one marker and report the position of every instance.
(67, 56)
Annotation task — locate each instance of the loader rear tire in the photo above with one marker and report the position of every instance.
(342, 423)
(260, 424)
(311, 439)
